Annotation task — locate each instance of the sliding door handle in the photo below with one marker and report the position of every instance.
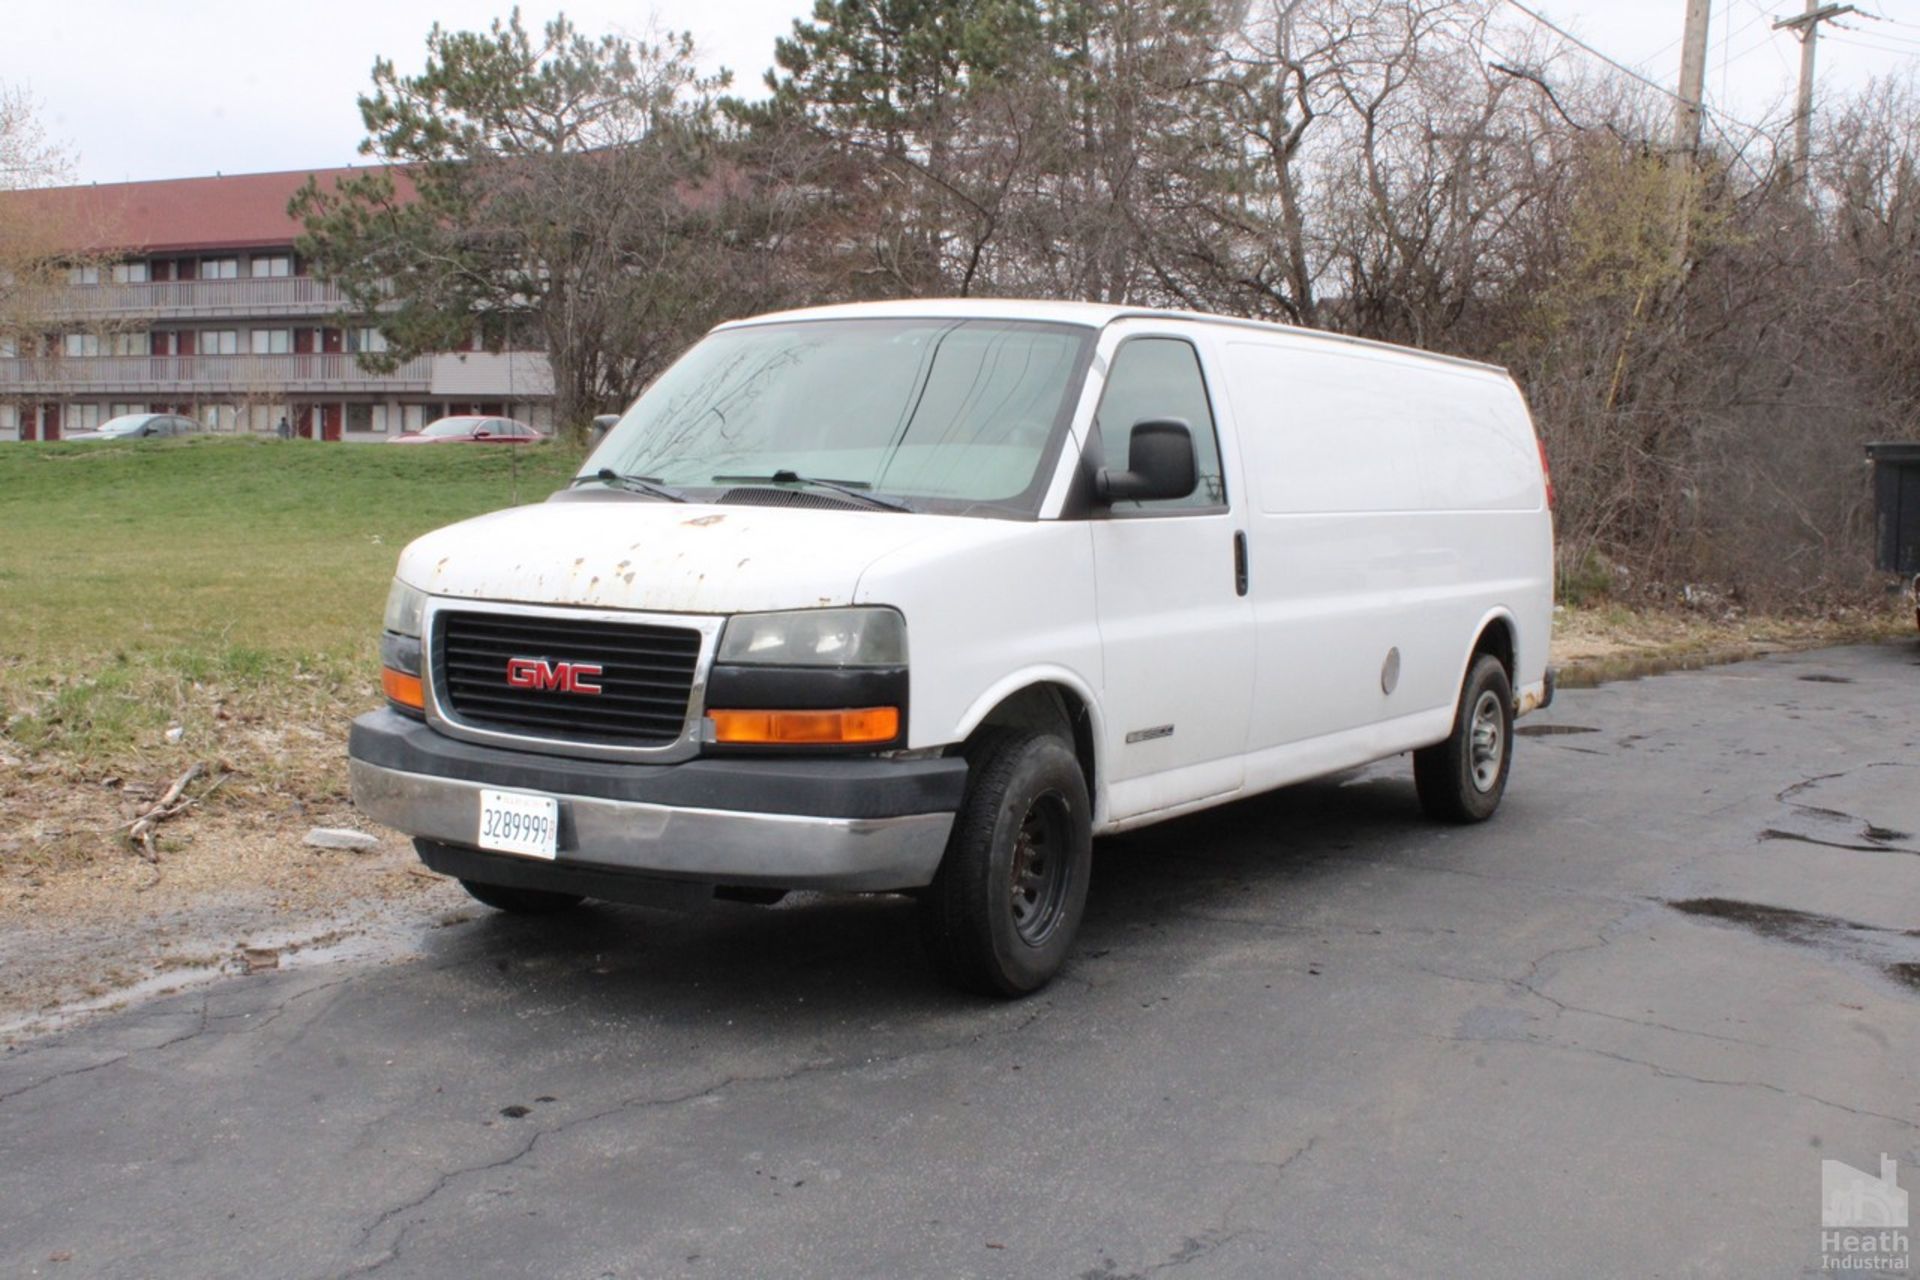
(1239, 563)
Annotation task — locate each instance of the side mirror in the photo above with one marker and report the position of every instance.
(1160, 464)
(601, 425)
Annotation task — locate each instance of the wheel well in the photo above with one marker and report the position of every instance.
(1050, 708)
(1497, 639)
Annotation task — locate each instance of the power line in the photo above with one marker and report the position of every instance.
(1889, 36)
(1572, 39)
(1909, 51)
(1624, 69)
(1770, 42)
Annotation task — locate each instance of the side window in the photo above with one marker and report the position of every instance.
(1160, 378)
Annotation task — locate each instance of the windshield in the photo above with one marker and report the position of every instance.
(452, 427)
(124, 426)
(951, 414)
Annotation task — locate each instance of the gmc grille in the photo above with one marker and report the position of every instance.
(646, 677)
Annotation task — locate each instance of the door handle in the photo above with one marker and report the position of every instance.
(1239, 562)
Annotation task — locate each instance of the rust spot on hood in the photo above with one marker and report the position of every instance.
(700, 522)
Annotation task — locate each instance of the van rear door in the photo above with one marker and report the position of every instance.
(1175, 627)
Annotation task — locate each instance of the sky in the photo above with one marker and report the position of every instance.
(145, 89)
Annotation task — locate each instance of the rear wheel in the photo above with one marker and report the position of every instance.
(1001, 915)
(520, 902)
(1463, 778)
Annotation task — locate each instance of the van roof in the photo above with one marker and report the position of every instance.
(1096, 315)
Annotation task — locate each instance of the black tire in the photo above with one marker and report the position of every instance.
(1026, 818)
(520, 902)
(1458, 780)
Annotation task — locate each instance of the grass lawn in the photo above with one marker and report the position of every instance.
(161, 583)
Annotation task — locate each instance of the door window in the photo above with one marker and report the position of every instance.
(1157, 378)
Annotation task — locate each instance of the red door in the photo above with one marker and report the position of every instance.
(331, 416)
(303, 421)
(331, 341)
(50, 422)
(29, 423)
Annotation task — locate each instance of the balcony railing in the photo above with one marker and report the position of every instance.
(206, 375)
(186, 299)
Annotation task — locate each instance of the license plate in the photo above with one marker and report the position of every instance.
(515, 822)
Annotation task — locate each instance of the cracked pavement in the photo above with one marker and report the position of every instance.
(1613, 1031)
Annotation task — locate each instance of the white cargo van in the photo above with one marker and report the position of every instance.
(921, 597)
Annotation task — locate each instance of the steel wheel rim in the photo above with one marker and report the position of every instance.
(1487, 741)
(1039, 870)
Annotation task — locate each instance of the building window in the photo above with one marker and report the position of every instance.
(83, 417)
(129, 273)
(272, 342)
(359, 340)
(82, 344)
(9, 348)
(83, 275)
(278, 265)
(219, 342)
(219, 268)
(129, 344)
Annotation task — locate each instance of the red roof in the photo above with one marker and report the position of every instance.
(241, 211)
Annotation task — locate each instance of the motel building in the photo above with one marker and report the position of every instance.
(186, 296)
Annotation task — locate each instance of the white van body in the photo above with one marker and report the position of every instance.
(1378, 517)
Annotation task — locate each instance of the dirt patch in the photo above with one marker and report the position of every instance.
(1594, 646)
(234, 892)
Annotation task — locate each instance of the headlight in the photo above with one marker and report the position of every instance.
(404, 607)
(866, 637)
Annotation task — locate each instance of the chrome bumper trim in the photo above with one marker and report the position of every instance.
(714, 846)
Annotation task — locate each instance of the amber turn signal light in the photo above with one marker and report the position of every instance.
(403, 688)
(800, 728)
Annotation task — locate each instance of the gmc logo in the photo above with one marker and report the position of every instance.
(566, 677)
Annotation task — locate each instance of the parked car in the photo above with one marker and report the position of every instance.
(140, 426)
(471, 430)
(923, 596)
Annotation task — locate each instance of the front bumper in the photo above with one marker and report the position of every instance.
(853, 824)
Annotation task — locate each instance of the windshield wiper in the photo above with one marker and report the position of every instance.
(648, 485)
(854, 489)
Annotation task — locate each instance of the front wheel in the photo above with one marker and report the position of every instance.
(1463, 778)
(1001, 915)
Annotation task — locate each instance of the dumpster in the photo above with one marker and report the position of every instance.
(1896, 512)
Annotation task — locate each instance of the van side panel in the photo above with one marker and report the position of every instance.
(1395, 504)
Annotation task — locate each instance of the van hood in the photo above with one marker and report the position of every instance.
(665, 557)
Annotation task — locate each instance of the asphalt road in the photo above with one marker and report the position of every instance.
(1614, 1031)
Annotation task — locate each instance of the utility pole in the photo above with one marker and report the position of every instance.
(1693, 79)
(1807, 27)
